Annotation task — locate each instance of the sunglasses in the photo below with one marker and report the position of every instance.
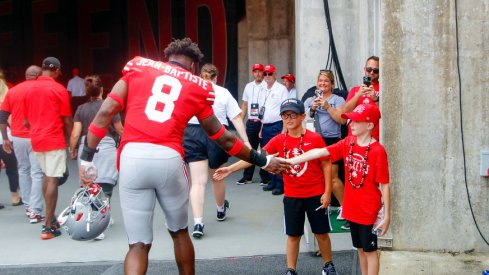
(326, 71)
(370, 69)
(292, 116)
(267, 74)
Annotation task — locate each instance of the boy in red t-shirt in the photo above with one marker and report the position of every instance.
(307, 186)
(367, 169)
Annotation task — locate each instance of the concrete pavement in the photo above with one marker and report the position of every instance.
(254, 227)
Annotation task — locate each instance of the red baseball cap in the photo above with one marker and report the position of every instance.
(364, 113)
(269, 68)
(289, 77)
(257, 66)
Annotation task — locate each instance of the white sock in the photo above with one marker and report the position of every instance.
(220, 208)
(199, 220)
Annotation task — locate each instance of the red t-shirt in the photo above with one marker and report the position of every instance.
(309, 181)
(14, 104)
(46, 101)
(365, 100)
(161, 99)
(361, 205)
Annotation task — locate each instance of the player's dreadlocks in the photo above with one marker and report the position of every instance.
(185, 47)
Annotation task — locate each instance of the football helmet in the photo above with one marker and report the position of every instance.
(88, 214)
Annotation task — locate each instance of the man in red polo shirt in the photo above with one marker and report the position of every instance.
(366, 94)
(48, 115)
(30, 174)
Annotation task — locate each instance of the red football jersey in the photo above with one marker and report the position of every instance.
(361, 205)
(14, 104)
(365, 100)
(309, 181)
(161, 99)
(46, 102)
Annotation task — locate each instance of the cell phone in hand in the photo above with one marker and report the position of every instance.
(318, 93)
(367, 80)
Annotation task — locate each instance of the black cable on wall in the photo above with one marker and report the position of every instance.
(462, 124)
(332, 62)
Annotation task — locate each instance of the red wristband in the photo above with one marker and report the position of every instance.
(238, 145)
(117, 98)
(218, 134)
(97, 131)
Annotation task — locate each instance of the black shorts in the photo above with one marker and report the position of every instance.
(295, 210)
(198, 146)
(362, 237)
(331, 141)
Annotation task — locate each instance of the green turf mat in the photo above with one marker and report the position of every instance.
(336, 224)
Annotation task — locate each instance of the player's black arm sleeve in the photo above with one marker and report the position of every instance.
(227, 140)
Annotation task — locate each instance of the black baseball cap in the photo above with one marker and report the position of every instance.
(51, 63)
(294, 105)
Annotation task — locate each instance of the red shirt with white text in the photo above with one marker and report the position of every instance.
(161, 99)
(361, 205)
(309, 181)
(365, 99)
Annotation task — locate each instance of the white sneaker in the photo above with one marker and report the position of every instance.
(100, 237)
(340, 217)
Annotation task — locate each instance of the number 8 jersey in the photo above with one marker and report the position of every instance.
(161, 99)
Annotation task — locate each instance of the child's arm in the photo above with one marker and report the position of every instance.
(327, 171)
(309, 155)
(223, 172)
(386, 197)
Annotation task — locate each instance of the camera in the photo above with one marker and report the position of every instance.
(367, 80)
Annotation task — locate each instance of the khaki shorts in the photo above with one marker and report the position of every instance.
(53, 163)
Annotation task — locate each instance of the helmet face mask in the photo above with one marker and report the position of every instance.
(88, 214)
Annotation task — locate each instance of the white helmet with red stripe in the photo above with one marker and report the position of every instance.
(88, 214)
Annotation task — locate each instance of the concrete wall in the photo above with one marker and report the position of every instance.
(421, 127)
(416, 41)
(354, 34)
(266, 36)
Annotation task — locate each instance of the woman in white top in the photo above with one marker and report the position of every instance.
(204, 155)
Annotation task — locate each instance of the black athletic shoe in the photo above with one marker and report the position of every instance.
(268, 188)
(198, 231)
(221, 216)
(264, 182)
(346, 226)
(329, 269)
(290, 271)
(49, 233)
(243, 181)
(277, 191)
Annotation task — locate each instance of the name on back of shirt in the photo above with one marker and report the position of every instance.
(158, 65)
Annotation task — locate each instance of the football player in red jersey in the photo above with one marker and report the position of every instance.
(159, 99)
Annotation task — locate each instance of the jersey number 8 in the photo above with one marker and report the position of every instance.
(167, 99)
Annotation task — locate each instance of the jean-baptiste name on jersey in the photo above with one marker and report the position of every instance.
(158, 65)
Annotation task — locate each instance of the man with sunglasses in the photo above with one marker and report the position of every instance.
(366, 93)
(273, 96)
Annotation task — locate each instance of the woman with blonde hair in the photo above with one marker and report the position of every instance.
(326, 109)
(204, 155)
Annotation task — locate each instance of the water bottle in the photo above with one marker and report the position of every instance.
(91, 173)
(380, 217)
